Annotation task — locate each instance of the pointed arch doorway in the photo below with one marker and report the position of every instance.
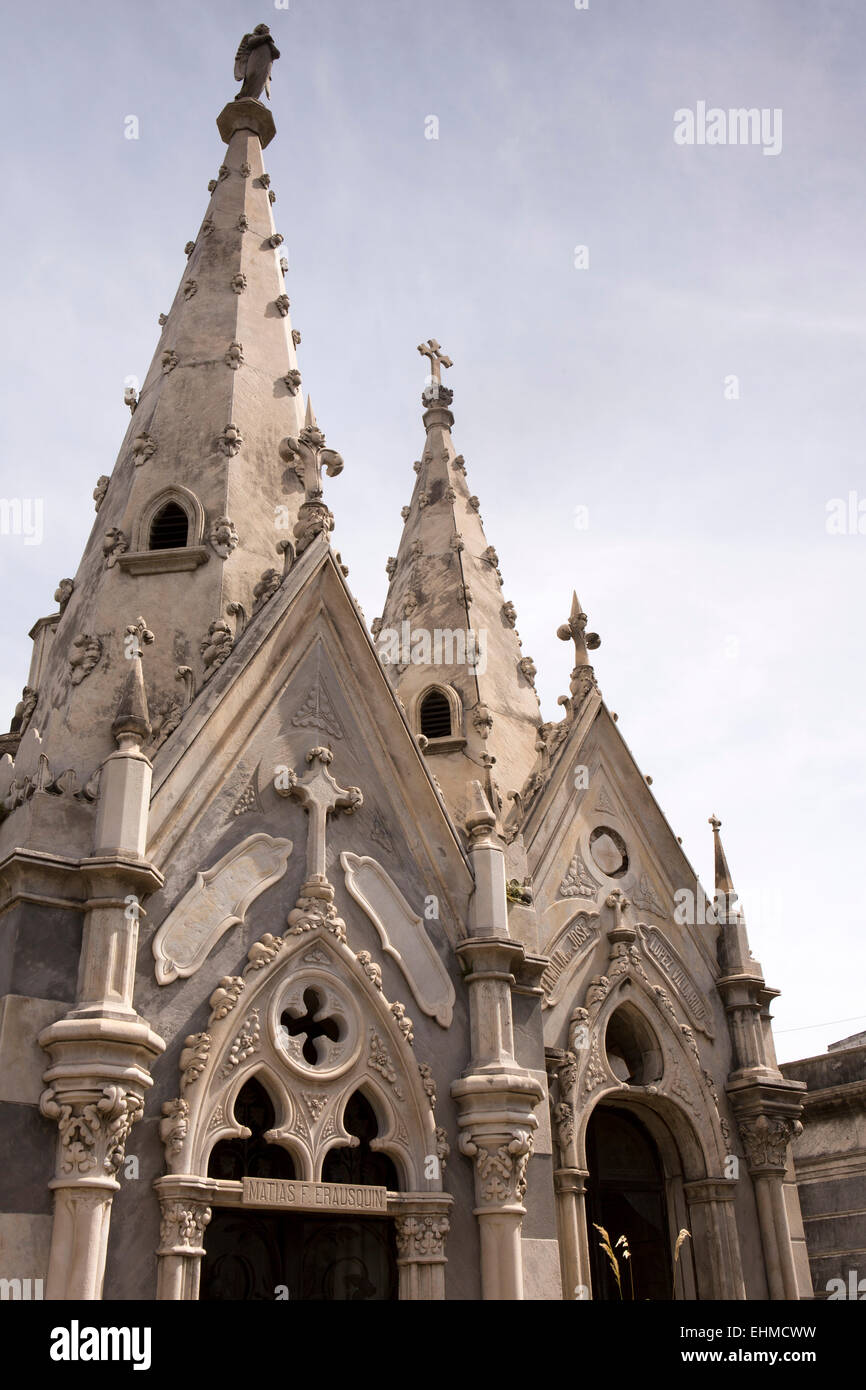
(261, 1256)
(626, 1194)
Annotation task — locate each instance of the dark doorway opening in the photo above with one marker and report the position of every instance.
(268, 1255)
(626, 1195)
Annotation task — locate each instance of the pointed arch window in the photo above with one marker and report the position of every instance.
(169, 529)
(360, 1164)
(168, 534)
(435, 715)
(252, 1156)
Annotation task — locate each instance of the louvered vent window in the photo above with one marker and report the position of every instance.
(169, 528)
(435, 715)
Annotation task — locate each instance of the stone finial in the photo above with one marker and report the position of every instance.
(438, 360)
(724, 883)
(480, 820)
(309, 455)
(582, 677)
(131, 724)
(575, 629)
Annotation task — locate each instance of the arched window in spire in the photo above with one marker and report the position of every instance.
(435, 713)
(169, 529)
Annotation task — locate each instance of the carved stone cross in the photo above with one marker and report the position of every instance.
(320, 795)
(438, 360)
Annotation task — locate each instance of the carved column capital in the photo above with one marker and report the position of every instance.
(501, 1161)
(766, 1139)
(93, 1129)
(421, 1236)
(182, 1226)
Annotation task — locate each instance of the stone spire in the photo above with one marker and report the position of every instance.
(447, 624)
(204, 441)
(723, 881)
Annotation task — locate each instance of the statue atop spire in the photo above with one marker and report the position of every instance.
(253, 62)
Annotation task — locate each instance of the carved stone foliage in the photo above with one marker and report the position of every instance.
(317, 712)
(182, 1227)
(174, 1125)
(526, 667)
(292, 381)
(143, 448)
(380, 1061)
(266, 588)
(419, 1236)
(500, 1167)
(217, 645)
(245, 1044)
(234, 355)
(223, 536)
(646, 898)
(578, 881)
(168, 361)
(100, 490)
(766, 1139)
(24, 710)
(190, 289)
(86, 654)
(93, 1133)
(275, 240)
(115, 544)
(231, 441)
(296, 337)
(193, 1058)
(243, 222)
(63, 593)
(239, 282)
(283, 304)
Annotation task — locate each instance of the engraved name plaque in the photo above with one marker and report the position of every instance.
(313, 1196)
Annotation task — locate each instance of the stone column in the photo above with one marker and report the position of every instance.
(713, 1225)
(569, 1184)
(496, 1100)
(495, 1097)
(185, 1214)
(766, 1134)
(101, 1052)
(422, 1225)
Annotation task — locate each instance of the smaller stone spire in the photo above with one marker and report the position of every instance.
(724, 883)
(131, 725)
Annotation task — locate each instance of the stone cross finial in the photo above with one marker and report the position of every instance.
(438, 360)
(309, 455)
(575, 629)
(320, 795)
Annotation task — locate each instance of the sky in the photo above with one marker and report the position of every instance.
(664, 420)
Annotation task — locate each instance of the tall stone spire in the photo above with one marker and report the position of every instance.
(205, 510)
(446, 624)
